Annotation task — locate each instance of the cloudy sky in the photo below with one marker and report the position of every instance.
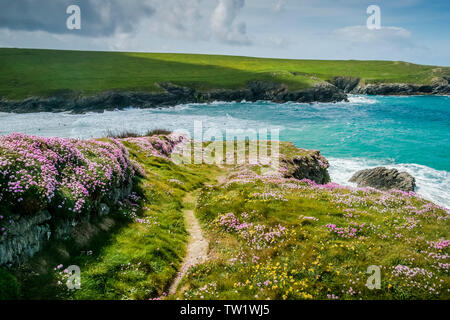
(411, 30)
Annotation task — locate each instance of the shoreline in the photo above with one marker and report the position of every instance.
(324, 92)
(161, 107)
(429, 180)
(434, 188)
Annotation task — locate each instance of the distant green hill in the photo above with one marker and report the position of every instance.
(30, 72)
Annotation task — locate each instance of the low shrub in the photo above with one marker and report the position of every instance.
(9, 287)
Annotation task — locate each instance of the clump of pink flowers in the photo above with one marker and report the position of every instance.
(60, 174)
(158, 146)
(332, 296)
(257, 236)
(346, 232)
(440, 244)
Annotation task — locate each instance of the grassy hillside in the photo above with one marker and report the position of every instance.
(274, 238)
(27, 72)
(270, 237)
(133, 252)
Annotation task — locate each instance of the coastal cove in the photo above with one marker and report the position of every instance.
(407, 133)
(226, 158)
(33, 80)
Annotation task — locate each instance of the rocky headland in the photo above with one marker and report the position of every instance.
(352, 85)
(172, 95)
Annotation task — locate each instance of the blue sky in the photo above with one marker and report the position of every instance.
(411, 30)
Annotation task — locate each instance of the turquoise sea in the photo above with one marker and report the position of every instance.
(408, 133)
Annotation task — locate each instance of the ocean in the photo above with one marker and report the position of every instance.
(408, 133)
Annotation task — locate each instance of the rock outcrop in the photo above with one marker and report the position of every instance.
(332, 91)
(402, 89)
(25, 237)
(384, 179)
(305, 164)
(347, 84)
(172, 95)
(354, 85)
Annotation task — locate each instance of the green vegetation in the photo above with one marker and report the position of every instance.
(27, 72)
(275, 238)
(270, 237)
(142, 259)
(132, 253)
(9, 286)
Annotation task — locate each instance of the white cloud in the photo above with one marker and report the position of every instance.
(99, 17)
(179, 19)
(301, 29)
(224, 26)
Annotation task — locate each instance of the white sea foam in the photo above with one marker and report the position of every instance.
(431, 184)
(360, 99)
(353, 100)
(137, 120)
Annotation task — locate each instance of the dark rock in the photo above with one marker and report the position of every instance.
(436, 88)
(384, 179)
(347, 84)
(24, 238)
(256, 90)
(172, 95)
(29, 234)
(267, 91)
(308, 164)
(320, 92)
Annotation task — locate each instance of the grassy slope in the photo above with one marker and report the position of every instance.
(131, 259)
(307, 260)
(26, 72)
(293, 256)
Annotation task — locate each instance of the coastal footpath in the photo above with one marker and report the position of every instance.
(82, 81)
(141, 225)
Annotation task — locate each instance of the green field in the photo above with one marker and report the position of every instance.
(30, 72)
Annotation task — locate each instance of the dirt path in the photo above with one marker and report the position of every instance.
(197, 250)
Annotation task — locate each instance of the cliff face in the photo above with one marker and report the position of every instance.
(49, 187)
(302, 164)
(173, 95)
(28, 235)
(402, 89)
(333, 91)
(355, 86)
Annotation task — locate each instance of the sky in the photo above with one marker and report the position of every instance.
(410, 30)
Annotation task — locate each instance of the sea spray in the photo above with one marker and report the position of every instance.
(431, 184)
